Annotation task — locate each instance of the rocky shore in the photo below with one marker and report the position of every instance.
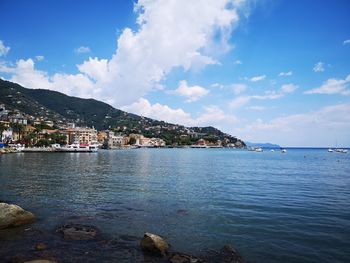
(75, 242)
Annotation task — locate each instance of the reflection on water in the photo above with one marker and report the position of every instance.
(274, 207)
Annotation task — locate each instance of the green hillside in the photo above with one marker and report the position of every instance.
(60, 108)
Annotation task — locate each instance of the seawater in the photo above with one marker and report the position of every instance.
(273, 207)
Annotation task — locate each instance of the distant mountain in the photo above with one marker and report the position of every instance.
(60, 108)
(262, 145)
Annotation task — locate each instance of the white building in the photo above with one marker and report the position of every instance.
(7, 135)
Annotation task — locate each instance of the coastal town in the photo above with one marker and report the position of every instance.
(23, 132)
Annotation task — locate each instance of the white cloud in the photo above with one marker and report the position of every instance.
(288, 88)
(217, 85)
(3, 49)
(39, 58)
(269, 95)
(237, 62)
(212, 115)
(239, 102)
(159, 111)
(170, 35)
(257, 108)
(238, 88)
(82, 49)
(285, 74)
(346, 42)
(192, 93)
(318, 128)
(257, 78)
(318, 67)
(25, 74)
(332, 86)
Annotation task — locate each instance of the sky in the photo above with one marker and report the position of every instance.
(264, 71)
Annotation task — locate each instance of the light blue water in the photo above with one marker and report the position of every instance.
(273, 207)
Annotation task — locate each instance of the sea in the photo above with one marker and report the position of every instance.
(272, 207)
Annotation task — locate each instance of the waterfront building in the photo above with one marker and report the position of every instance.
(117, 141)
(7, 135)
(80, 135)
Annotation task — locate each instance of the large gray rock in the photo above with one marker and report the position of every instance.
(154, 244)
(14, 215)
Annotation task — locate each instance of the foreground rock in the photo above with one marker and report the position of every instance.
(40, 261)
(177, 257)
(77, 232)
(14, 215)
(154, 244)
(227, 254)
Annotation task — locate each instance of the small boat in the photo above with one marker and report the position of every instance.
(259, 150)
(272, 150)
(330, 150)
(283, 150)
(341, 150)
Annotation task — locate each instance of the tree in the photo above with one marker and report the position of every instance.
(18, 128)
(132, 141)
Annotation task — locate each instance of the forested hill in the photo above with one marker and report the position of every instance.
(60, 108)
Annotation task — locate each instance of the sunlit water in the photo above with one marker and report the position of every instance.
(274, 207)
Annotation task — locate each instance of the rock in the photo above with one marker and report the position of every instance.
(13, 215)
(154, 244)
(40, 261)
(77, 232)
(40, 246)
(183, 258)
(230, 255)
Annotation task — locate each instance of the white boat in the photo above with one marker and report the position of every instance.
(341, 150)
(283, 150)
(76, 147)
(259, 150)
(272, 150)
(330, 150)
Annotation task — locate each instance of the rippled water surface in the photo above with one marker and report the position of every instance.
(273, 207)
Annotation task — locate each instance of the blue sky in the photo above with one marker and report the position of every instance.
(265, 71)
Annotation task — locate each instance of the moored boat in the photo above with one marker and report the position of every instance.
(76, 147)
(339, 150)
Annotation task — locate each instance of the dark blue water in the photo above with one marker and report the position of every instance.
(273, 207)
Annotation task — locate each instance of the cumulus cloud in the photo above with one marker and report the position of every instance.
(170, 34)
(192, 93)
(318, 67)
(257, 78)
(346, 42)
(286, 74)
(25, 74)
(212, 115)
(268, 95)
(332, 86)
(82, 49)
(319, 128)
(3, 49)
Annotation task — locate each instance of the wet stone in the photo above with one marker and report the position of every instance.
(40, 246)
(77, 232)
